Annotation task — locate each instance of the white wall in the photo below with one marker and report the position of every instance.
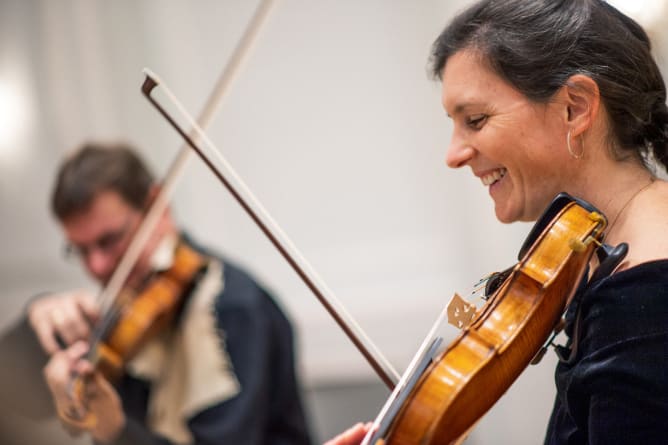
(333, 123)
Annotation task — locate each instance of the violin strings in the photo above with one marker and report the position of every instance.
(417, 358)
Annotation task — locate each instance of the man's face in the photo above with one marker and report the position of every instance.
(101, 233)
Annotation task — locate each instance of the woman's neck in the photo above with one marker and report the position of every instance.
(614, 187)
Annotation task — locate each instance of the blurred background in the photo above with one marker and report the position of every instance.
(333, 123)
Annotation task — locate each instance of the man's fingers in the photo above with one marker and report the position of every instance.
(70, 322)
(63, 362)
(39, 315)
(46, 337)
(84, 368)
(77, 350)
(65, 317)
(60, 375)
(88, 306)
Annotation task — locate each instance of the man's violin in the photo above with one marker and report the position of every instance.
(135, 317)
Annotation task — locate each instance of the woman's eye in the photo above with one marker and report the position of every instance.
(476, 122)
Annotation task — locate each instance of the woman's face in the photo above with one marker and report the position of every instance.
(515, 146)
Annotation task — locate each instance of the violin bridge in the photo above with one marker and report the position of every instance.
(460, 312)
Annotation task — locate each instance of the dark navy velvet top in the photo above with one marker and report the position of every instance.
(612, 383)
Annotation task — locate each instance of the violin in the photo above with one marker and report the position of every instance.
(136, 317)
(440, 399)
(502, 338)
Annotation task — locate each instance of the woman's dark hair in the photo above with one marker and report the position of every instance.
(97, 167)
(537, 45)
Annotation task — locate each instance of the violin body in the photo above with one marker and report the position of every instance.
(132, 320)
(146, 314)
(477, 368)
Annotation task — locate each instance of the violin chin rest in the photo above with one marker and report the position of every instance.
(609, 258)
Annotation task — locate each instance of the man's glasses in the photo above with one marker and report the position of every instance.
(106, 243)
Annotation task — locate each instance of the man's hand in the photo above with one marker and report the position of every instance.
(68, 316)
(97, 408)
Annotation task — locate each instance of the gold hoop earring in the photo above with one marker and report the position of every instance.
(570, 149)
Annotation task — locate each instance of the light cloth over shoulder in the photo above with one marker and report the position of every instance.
(189, 368)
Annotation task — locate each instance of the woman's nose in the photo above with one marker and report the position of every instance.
(459, 153)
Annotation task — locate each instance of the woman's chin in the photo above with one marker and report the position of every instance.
(505, 214)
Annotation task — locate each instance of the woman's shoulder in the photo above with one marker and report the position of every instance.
(650, 272)
(645, 283)
(643, 287)
(631, 304)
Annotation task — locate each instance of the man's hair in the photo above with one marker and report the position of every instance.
(96, 167)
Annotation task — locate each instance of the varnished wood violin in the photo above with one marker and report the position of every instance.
(501, 339)
(136, 317)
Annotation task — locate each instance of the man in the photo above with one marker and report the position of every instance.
(223, 369)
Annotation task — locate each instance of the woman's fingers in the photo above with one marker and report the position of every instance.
(352, 436)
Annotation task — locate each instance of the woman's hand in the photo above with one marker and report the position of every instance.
(352, 436)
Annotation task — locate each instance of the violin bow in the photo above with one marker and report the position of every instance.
(175, 170)
(234, 184)
(112, 291)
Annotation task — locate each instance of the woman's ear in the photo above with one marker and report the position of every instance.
(583, 99)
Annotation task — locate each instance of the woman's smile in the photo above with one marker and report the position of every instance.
(492, 178)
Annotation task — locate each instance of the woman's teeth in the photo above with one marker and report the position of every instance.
(493, 177)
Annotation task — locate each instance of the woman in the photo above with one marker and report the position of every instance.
(552, 96)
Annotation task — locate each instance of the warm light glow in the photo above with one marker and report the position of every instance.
(645, 12)
(13, 120)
